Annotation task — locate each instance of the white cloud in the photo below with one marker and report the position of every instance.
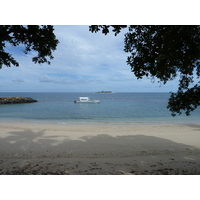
(46, 78)
(18, 80)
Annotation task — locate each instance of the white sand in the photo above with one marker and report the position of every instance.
(99, 149)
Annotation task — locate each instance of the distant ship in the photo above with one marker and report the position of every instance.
(86, 100)
(104, 92)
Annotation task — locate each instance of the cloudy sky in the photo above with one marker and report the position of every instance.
(83, 62)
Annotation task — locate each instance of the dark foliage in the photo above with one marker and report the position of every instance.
(164, 52)
(40, 39)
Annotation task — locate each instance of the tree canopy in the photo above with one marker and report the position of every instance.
(40, 39)
(164, 52)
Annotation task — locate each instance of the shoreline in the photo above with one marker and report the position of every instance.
(99, 149)
(100, 122)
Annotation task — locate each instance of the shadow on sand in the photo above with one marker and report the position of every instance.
(132, 150)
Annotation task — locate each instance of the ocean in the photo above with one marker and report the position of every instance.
(114, 108)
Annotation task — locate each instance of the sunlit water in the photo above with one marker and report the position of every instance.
(129, 108)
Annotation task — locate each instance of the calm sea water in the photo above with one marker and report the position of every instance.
(127, 108)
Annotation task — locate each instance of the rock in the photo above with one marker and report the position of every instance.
(15, 100)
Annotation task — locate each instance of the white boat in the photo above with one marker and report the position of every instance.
(86, 100)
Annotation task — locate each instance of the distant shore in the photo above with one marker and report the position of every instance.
(99, 149)
(105, 92)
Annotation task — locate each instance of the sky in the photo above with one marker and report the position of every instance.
(83, 62)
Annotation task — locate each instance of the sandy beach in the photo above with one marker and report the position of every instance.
(28, 148)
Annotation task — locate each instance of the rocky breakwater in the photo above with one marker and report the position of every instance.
(14, 100)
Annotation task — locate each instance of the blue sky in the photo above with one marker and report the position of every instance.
(83, 62)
